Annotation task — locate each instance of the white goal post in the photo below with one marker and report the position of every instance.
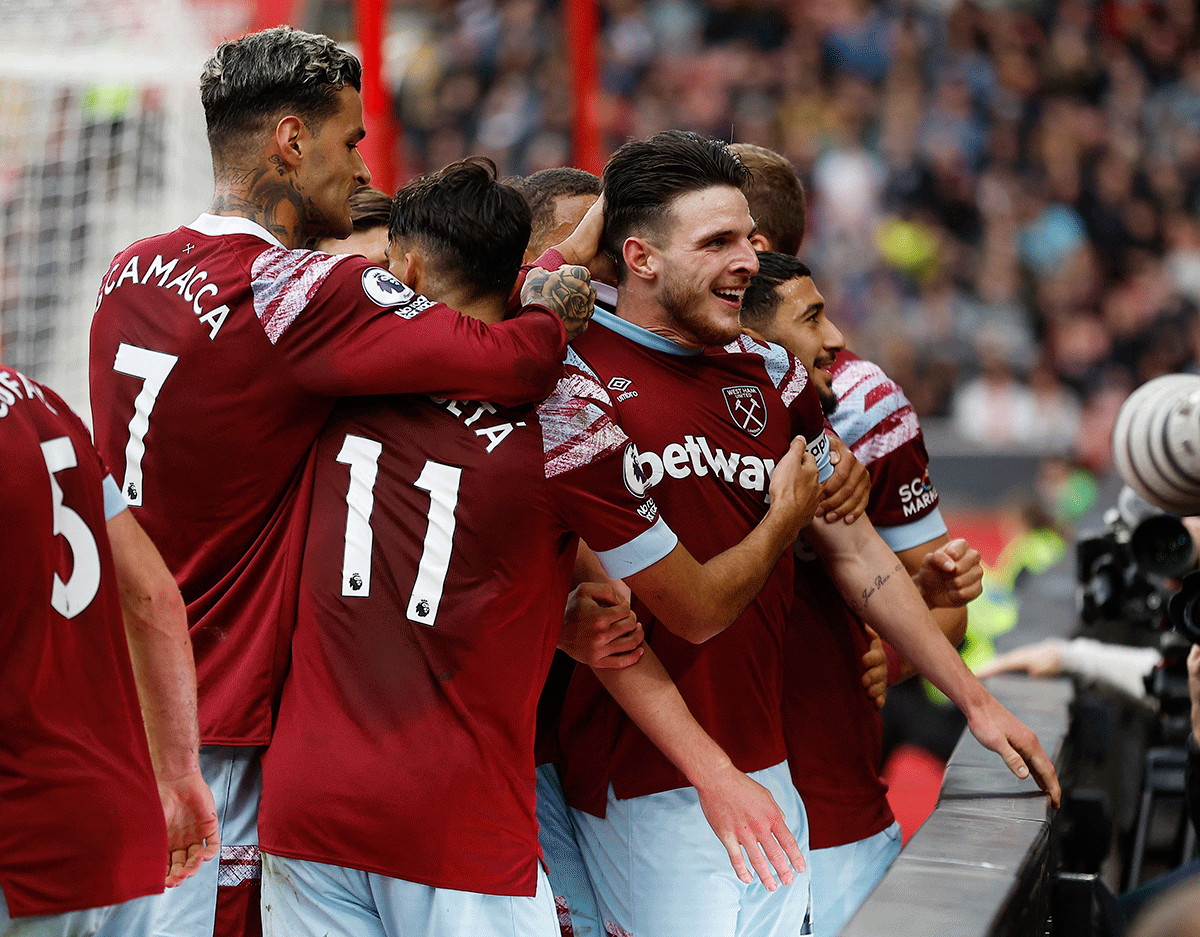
(101, 143)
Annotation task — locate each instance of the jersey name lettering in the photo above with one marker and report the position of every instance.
(470, 412)
(187, 285)
(16, 386)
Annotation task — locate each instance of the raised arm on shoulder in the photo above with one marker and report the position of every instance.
(161, 652)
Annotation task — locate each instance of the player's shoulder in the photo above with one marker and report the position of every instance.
(577, 419)
(783, 369)
(873, 415)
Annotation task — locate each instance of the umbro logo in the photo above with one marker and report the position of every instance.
(620, 386)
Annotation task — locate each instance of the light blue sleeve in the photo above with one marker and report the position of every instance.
(646, 549)
(114, 501)
(907, 536)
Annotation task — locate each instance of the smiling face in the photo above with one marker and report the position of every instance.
(332, 169)
(704, 265)
(800, 326)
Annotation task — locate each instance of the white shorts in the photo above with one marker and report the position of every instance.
(234, 774)
(843, 876)
(660, 871)
(129, 919)
(574, 898)
(312, 899)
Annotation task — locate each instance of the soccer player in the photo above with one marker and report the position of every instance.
(831, 724)
(86, 640)
(434, 578)
(218, 351)
(835, 761)
(558, 198)
(707, 420)
(369, 213)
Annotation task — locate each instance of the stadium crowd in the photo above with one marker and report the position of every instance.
(1015, 184)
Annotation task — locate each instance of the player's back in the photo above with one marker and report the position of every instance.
(206, 428)
(73, 735)
(434, 578)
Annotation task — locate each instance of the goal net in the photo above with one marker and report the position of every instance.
(101, 143)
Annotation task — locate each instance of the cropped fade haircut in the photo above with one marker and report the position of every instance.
(264, 75)
(775, 195)
(543, 188)
(473, 226)
(643, 178)
(761, 299)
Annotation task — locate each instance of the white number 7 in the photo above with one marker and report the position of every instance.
(152, 367)
(441, 481)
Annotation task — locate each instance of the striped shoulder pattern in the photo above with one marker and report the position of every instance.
(785, 370)
(575, 430)
(284, 283)
(873, 417)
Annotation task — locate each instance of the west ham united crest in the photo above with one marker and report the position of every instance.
(747, 407)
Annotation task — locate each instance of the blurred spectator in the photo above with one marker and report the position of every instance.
(1025, 176)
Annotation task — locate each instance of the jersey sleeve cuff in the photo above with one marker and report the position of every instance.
(114, 501)
(646, 549)
(922, 530)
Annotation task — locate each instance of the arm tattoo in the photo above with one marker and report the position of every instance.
(566, 292)
(860, 606)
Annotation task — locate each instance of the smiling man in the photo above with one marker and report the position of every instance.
(219, 349)
(710, 411)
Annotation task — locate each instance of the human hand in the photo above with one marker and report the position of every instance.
(600, 629)
(193, 833)
(567, 292)
(794, 487)
(1043, 659)
(875, 667)
(743, 814)
(998, 729)
(847, 490)
(950, 576)
(582, 246)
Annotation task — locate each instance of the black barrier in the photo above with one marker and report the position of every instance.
(981, 865)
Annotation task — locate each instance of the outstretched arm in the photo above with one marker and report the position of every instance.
(948, 574)
(877, 587)
(740, 811)
(165, 671)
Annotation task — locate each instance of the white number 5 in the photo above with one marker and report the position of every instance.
(73, 596)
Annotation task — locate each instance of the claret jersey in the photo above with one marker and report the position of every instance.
(833, 730)
(81, 824)
(434, 579)
(709, 427)
(216, 357)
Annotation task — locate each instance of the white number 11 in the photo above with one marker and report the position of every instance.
(441, 481)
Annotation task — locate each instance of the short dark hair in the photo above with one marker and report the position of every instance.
(775, 195)
(249, 80)
(643, 177)
(474, 227)
(760, 302)
(543, 188)
(370, 208)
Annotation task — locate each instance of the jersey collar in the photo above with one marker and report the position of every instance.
(218, 225)
(643, 337)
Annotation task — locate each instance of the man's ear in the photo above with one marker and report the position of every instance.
(412, 272)
(641, 258)
(760, 243)
(291, 137)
